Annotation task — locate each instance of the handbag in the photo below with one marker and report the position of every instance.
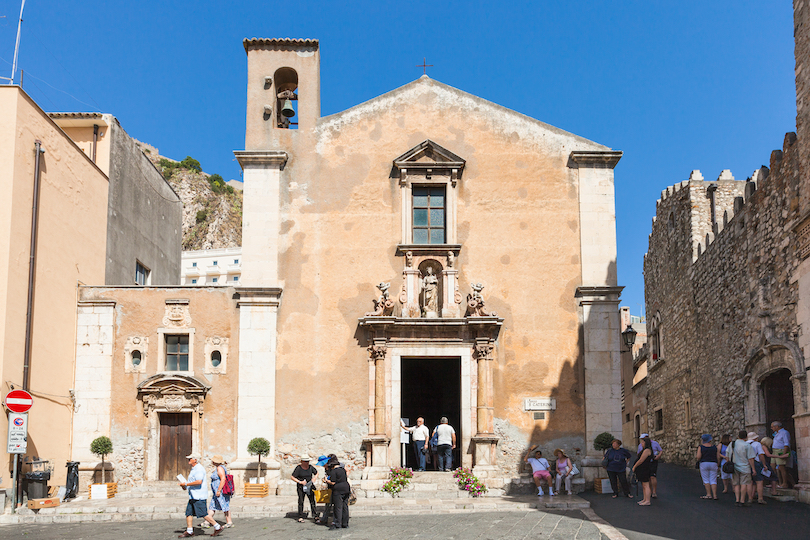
(605, 461)
(728, 466)
(574, 469)
(697, 464)
(323, 496)
(228, 487)
(352, 497)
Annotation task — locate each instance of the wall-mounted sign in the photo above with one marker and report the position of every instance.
(539, 404)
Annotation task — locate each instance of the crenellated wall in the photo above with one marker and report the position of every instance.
(719, 291)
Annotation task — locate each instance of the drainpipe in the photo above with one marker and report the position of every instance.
(95, 141)
(29, 315)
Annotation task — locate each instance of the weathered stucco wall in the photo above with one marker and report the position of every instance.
(71, 240)
(518, 225)
(140, 313)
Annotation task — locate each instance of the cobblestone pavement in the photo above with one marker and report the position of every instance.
(534, 524)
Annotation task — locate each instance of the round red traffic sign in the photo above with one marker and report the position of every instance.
(18, 401)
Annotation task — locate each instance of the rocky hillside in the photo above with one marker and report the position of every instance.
(212, 210)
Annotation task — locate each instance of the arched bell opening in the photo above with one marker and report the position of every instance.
(286, 80)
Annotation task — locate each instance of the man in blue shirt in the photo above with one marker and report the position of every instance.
(781, 447)
(197, 495)
(657, 452)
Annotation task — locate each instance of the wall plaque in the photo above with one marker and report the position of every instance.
(539, 404)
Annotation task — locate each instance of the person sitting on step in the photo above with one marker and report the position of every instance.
(540, 470)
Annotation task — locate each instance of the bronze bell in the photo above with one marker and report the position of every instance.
(287, 110)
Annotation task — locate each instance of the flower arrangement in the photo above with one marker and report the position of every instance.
(469, 482)
(399, 478)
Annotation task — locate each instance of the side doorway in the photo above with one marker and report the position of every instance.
(175, 444)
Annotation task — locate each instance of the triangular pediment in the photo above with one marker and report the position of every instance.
(429, 154)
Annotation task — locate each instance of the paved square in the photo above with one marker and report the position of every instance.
(534, 524)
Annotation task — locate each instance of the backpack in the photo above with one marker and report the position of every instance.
(227, 486)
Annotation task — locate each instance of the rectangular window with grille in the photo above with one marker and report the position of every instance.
(177, 353)
(429, 215)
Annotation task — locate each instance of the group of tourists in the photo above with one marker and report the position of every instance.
(564, 469)
(745, 463)
(439, 445)
(221, 487)
(335, 482)
(645, 468)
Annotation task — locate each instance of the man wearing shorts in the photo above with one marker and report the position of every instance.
(657, 453)
(197, 495)
(743, 455)
(781, 448)
(540, 469)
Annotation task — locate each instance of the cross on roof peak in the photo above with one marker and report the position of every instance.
(424, 66)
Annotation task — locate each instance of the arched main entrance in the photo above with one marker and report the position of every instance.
(777, 391)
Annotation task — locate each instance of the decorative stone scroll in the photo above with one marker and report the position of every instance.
(172, 393)
(475, 303)
(383, 306)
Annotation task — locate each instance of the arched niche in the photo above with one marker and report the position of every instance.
(286, 80)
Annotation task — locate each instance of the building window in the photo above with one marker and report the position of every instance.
(136, 358)
(656, 349)
(176, 353)
(687, 413)
(236, 261)
(193, 281)
(215, 263)
(194, 265)
(236, 278)
(215, 280)
(659, 420)
(428, 215)
(141, 274)
(216, 358)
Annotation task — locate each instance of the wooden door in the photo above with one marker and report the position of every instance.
(175, 444)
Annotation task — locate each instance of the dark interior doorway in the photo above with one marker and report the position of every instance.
(175, 444)
(778, 391)
(431, 388)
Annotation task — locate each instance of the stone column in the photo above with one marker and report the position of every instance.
(378, 439)
(409, 298)
(599, 311)
(485, 440)
(261, 222)
(256, 405)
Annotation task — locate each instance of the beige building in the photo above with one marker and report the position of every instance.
(426, 253)
(71, 249)
(105, 215)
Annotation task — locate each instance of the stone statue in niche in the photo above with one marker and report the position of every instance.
(383, 306)
(475, 303)
(430, 294)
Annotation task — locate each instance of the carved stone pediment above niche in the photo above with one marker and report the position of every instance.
(172, 393)
(177, 314)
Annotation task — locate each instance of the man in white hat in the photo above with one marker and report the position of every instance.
(197, 494)
(657, 453)
(760, 466)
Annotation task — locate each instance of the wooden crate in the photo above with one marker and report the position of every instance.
(602, 485)
(112, 489)
(256, 490)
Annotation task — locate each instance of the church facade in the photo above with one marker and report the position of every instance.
(425, 253)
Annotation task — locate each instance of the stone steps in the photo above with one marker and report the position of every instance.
(112, 510)
(782, 495)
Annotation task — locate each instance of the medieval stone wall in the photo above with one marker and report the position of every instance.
(713, 289)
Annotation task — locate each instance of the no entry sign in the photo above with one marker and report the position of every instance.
(19, 401)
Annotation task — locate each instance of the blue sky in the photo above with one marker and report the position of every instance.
(676, 86)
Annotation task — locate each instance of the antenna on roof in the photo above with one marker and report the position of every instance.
(16, 47)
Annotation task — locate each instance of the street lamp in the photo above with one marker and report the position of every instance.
(629, 337)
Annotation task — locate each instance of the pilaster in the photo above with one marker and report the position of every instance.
(602, 362)
(256, 405)
(261, 216)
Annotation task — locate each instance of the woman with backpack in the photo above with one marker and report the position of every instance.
(222, 487)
